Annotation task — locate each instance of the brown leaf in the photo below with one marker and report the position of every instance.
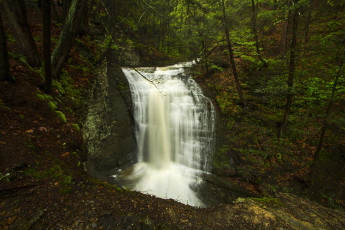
(43, 129)
(29, 131)
(11, 219)
(65, 154)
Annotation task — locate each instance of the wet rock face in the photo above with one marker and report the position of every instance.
(108, 130)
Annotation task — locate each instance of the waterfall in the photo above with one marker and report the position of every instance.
(174, 132)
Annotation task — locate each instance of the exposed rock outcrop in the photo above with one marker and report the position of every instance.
(283, 212)
(108, 129)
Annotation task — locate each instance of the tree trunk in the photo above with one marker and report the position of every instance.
(16, 13)
(4, 64)
(256, 35)
(325, 120)
(306, 25)
(84, 26)
(65, 8)
(231, 56)
(39, 4)
(55, 13)
(46, 45)
(285, 32)
(275, 4)
(291, 72)
(204, 58)
(67, 36)
(92, 7)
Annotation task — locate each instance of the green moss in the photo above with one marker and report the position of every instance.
(37, 38)
(55, 173)
(58, 86)
(30, 146)
(61, 115)
(52, 105)
(65, 190)
(5, 177)
(122, 86)
(76, 127)
(106, 184)
(44, 96)
(40, 72)
(65, 87)
(67, 180)
(267, 201)
(18, 57)
(10, 38)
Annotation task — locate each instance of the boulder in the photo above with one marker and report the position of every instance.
(109, 126)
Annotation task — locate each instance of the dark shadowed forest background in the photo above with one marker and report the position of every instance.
(274, 70)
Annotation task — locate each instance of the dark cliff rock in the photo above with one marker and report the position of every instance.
(108, 129)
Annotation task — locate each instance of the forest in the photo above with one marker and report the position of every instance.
(273, 69)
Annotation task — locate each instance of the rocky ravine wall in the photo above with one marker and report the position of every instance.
(108, 130)
(109, 134)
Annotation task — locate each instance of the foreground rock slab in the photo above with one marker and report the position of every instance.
(91, 205)
(283, 212)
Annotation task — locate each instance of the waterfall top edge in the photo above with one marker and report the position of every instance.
(151, 69)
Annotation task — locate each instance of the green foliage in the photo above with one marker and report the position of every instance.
(267, 19)
(225, 102)
(3, 106)
(273, 90)
(18, 57)
(248, 58)
(220, 159)
(215, 67)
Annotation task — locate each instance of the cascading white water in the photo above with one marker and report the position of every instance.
(174, 131)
